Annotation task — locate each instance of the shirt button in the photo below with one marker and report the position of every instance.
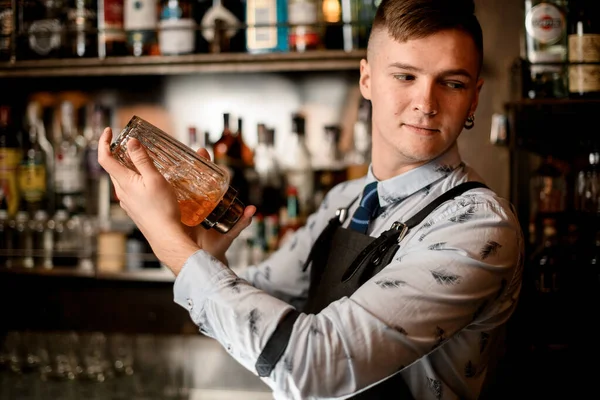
(190, 304)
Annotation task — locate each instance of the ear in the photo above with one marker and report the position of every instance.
(365, 79)
(476, 97)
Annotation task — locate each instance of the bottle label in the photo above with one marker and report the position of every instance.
(44, 36)
(32, 182)
(176, 36)
(68, 177)
(110, 21)
(6, 29)
(545, 23)
(94, 169)
(584, 78)
(302, 18)
(302, 13)
(264, 14)
(9, 191)
(584, 48)
(140, 14)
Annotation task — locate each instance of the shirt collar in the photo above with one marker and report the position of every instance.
(398, 188)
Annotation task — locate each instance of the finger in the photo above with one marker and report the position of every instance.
(141, 159)
(118, 190)
(202, 152)
(108, 162)
(242, 223)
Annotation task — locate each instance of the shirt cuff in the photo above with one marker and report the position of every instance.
(197, 280)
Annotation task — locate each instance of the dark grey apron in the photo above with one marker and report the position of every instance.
(341, 261)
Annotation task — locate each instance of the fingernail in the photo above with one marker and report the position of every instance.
(133, 145)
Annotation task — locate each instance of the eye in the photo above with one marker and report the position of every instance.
(404, 77)
(455, 84)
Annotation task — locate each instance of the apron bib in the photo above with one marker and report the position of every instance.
(341, 261)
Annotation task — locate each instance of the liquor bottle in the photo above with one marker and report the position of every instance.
(193, 138)
(140, 22)
(200, 7)
(6, 30)
(358, 159)
(209, 146)
(69, 164)
(42, 240)
(5, 238)
(357, 17)
(269, 197)
(221, 146)
(587, 186)
(593, 271)
(297, 165)
(333, 36)
(23, 240)
(221, 26)
(546, 260)
(10, 157)
(290, 219)
(112, 40)
(246, 151)
(66, 238)
(366, 13)
(176, 34)
(303, 17)
(584, 49)
(40, 29)
(228, 154)
(548, 193)
(546, 47)
(548, 270)
(237, 42)
(81, 25)
(33, 169)
(267, 26)
(96, 120)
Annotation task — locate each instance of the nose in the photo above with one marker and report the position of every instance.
(425, 101)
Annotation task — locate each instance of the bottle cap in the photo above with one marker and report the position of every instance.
(226, 214)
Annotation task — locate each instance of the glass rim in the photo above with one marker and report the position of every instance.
(119, 138)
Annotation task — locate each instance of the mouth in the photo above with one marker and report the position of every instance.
(421, 129)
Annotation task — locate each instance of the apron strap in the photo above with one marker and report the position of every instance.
(449, 195)
(276, 345)
(373, 253)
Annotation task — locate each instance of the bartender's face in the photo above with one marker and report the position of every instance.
(422, 91)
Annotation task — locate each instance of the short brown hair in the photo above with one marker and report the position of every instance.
(415, 19)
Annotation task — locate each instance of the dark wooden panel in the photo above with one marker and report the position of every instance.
(64, 303)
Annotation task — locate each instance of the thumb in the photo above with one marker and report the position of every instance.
(242, 223)
(140, 158)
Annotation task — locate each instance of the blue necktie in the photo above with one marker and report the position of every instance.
(369, 205)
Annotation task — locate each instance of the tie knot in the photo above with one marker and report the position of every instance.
(370, 199)
(368, 207)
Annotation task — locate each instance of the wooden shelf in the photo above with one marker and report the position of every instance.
(148, 275)
(564, 128)
(553, 102)
(57, 271)
(321, 60)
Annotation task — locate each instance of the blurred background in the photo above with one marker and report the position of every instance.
(270, 88)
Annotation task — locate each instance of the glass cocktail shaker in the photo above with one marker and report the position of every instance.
(202, 187)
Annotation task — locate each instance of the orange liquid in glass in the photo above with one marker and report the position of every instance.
(194, 211)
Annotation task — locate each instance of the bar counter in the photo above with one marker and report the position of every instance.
(167, 367)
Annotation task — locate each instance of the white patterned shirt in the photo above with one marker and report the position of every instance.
(433, 314)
